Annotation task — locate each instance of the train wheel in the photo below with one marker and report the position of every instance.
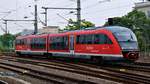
(18, 54)
(48, 55)
(98, 60)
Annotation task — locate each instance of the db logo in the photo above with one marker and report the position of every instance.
(89, 48)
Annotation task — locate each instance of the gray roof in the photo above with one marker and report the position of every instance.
(114, 29)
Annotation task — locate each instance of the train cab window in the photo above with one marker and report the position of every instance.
(58, 43)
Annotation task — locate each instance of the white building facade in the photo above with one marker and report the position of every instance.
(144, 7)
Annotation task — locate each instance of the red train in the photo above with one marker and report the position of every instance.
(101, 43)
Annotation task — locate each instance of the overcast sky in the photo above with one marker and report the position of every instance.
(96, 11)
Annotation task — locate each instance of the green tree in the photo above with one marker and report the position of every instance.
(139, 23)
(74, 26)
(6, 41)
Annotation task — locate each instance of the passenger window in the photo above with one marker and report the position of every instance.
(17, 42)
(21, 42)
(102, 39)
(89, 39)
(82, 39)
(38, 43)
(96, 39)
(107, 40)
(58, 43)
(77, 39)
(93, 39)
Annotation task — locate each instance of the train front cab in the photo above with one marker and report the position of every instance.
(128, 43)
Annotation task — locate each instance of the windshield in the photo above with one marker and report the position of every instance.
(126, 39)
(126, 35)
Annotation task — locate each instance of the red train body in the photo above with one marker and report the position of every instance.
(106, 43)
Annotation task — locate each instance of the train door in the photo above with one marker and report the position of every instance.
(71, 47)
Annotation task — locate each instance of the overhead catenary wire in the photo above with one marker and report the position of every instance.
(62, 6)
(20, 8)
(53, 14)
(19, 25)
(7, 13)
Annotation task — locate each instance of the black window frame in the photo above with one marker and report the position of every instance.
(21, 41)
(58, 43)
(38, 43)
(92, 39)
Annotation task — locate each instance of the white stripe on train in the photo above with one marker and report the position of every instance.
(88, 54)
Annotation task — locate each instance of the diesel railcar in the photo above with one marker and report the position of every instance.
(100, 43)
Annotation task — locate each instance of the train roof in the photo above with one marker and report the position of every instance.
(113, 29)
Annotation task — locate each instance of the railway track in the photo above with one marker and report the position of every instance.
(7, 54)
(87, 69)
(57, 79)
(3, 82)
(131, 66)
(142, 64)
